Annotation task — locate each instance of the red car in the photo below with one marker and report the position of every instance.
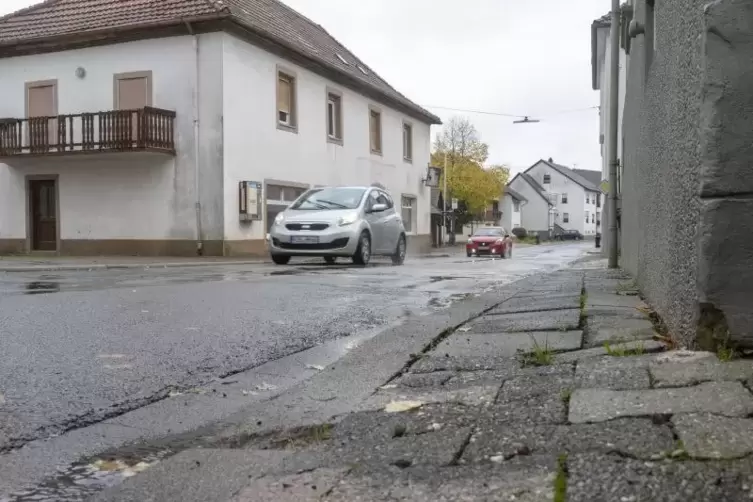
(489, 241)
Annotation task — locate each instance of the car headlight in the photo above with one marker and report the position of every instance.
(279, 218)
(500, 241)
(348, 219)
(470, 241)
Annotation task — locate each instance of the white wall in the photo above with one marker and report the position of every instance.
(510, 218)
(255, 149)
(534, 216)
(108, 196)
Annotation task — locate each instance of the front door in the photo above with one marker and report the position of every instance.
(44, 218)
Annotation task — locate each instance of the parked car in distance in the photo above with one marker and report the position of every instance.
(569, 235)
(354, 222)
(491, 241)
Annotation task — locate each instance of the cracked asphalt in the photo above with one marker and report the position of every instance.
(80, 347)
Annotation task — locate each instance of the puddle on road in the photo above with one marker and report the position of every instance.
(84, 479)
(42, 287)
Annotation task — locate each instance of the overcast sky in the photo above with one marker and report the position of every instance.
(530, 57)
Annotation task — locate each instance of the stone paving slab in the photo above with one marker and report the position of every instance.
(423, 379)
(598, 405)
(300, 487)
(707, 436)
(599, 299)
(537, 304)
(602, 329)
(650, 347)
(439, 362)
(556, 320)
(526, 480)
(470, 395)
(597, 312)
(638, 437)
(681, 374)
(613, 378)
(508, 344)
(595, 477)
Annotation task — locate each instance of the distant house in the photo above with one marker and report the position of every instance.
(559, 198)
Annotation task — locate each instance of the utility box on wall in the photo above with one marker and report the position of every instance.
(249, 193)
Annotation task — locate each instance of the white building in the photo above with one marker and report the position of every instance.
(511, 203)
(185, 129)
(558, 199)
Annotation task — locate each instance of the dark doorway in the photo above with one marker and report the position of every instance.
(44, 218)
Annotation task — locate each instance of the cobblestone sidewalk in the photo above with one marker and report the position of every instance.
(559, 393)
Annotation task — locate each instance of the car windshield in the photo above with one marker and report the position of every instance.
(489, 232)
(330, 198)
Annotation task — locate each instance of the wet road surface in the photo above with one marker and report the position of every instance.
(80, 347)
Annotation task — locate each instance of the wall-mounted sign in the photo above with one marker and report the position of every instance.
(249, 198)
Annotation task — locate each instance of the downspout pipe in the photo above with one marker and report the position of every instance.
(197, 161)
(614, 72)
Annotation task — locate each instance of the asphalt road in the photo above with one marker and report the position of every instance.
(79, 347)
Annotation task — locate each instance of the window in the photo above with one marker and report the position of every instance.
(598, 200)
(407, 142)
(409, 213)
(516, 206)
(588, 199)
(593, 218)
(375, 131)
(565, 217)
(564, 198)
(586, 216)
(286, 106)
(280, 193)
(547, 179)
(334, 117)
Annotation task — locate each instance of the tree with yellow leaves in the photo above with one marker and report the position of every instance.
(467, 180)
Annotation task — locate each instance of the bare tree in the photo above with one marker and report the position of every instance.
(460, 140)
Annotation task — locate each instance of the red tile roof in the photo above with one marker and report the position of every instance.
(270, 19)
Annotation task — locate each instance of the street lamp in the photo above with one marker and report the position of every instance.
(526, 120)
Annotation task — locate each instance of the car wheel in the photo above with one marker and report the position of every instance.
(330, 260)
(469, 254)
(399, 257)
(280, 259)
(363, 251)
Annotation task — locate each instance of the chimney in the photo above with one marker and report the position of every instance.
(550, 160)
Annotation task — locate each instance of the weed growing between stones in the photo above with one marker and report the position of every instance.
(725, 352)
(566, 395)
(621, 350)
(560, 481)
(539, 356)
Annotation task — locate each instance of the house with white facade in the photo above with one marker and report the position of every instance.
(558, 199)
(510, 204)
(144, 127)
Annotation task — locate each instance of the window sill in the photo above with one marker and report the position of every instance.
(376, 152)
(287, 128)
(335, 141)
(408, 160)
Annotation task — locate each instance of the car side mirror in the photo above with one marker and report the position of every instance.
(378, 208)
(469, 235)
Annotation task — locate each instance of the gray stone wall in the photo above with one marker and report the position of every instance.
(725, 268)
(660, 202)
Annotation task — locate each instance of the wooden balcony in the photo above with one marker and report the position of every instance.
(145, 129)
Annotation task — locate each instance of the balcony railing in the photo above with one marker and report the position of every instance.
(112, 131)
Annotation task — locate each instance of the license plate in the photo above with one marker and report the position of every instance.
(483, 245)
(304, 239)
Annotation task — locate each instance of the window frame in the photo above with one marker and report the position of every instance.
(335, 98)
(413, 212)
(282, 73)
(515, 206)
(547, 179)
(565, 217)
(407, 126)
(375, 111)
(146, 74)
(564, 198)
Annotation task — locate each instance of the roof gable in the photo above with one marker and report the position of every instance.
(568, 173)
(515, 195)
(270, 19)
(533, 184)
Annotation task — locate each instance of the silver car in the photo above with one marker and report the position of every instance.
(355, 222)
